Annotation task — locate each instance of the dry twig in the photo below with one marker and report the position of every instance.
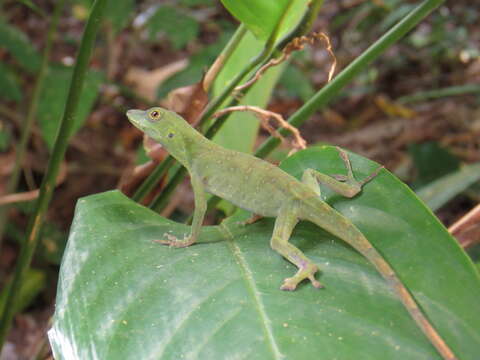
(295, 45)
(33, 194)
(264, 116)
(466, 229)
(19, 197)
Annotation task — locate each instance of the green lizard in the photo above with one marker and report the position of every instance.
(266, 190)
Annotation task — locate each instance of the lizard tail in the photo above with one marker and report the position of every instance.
(408, 301)
(357, 240)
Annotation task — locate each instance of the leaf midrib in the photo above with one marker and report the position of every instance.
(252, 287)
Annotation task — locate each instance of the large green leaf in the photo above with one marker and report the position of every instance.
(261, 16)
(123, 296)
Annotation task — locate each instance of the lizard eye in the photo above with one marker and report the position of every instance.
(155, 115)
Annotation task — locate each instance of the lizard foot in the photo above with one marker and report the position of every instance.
(174, 242)
(290, 284)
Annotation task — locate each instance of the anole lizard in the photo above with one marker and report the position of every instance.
(264, 189)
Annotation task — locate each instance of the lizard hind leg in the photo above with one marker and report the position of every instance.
(284, 224)
(345, 185)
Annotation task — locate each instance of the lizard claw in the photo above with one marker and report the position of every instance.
(174, 242)
(289, 284)
(317, 284)
(308, 272)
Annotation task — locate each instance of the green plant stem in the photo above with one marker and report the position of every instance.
(32, 110)
(329, 91)
(440, 93)
(58, 153)
(152, 180)
(161, 201)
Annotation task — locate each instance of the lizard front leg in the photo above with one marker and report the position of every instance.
(284, 224)
(198, 215)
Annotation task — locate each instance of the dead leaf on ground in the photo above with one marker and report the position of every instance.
(146, 82)
(392, 108)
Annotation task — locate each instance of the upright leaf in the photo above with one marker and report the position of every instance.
(261, 16)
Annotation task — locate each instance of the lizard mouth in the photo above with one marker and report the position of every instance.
(136, 117)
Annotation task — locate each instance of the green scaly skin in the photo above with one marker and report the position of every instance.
(264, 189)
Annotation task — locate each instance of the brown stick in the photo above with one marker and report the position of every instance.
(465, 225)
(295, 45)
(264, 115)
(19, 197)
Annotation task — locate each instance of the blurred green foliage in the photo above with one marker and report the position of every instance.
(19, 47)
(35, 282)
(296, 83)
(10, 88)
(431, 161)
(179, 27)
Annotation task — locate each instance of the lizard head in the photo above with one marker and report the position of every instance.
(163, 126)
(150, 121)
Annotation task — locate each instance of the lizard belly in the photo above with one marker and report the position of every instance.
(257, 202)
(246, 182)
